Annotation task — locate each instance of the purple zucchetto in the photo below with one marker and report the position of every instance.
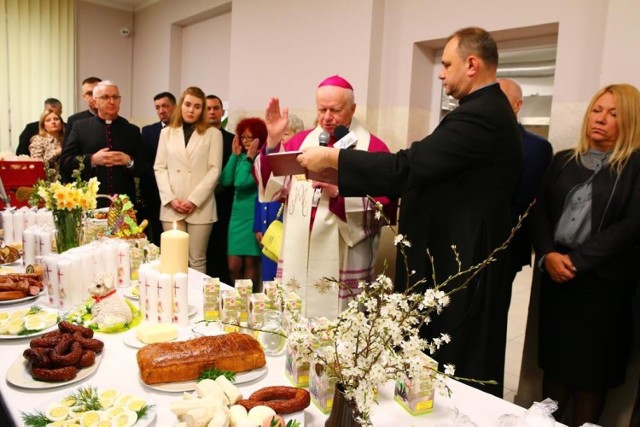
(336, 81)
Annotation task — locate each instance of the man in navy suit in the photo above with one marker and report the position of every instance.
(537, 154)
(164, 103)
(217, 249)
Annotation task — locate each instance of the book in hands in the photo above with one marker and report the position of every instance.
(285, 163)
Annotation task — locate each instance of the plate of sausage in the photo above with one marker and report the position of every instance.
(19, 374)
(58, 358)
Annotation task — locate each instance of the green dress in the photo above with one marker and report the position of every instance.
(242, 241)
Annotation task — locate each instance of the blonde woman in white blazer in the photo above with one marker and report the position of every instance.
(187, 167)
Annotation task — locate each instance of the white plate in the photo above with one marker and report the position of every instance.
(59, 396)
(131, 340)
(129, 292)
(18, 375)
(34, 334)
(241, 378)
(13, 301)
(18, 261)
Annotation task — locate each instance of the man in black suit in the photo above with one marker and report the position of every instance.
(217, 249)
(536, 156)
(149, 209)
(88, 85)
(109, 147)
(50, 104)
(456, 186)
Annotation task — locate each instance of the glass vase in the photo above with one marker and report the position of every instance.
(343, 411)
(68, 229)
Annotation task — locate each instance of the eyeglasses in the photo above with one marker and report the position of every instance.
(114, 98)
(246, 138)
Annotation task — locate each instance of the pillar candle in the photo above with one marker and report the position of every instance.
(18, 225)
(29, 218)
(65, 287)
(51, 275)
(142, 289)
(43, 240)
(41, 217)
(7, 226)
(174, 252)
(28, 247)
(87, 266)
(180, 299)
(165, 295)
(110, 252)
(124, 265)
(80, 289)
(152, 277)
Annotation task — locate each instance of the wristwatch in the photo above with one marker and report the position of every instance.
(250, 159)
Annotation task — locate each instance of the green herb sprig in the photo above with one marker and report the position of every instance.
(214, 373)
(36, 419)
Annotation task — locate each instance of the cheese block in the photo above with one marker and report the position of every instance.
(153, 333)
(185, 360)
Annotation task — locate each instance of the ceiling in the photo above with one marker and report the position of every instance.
(131, 5)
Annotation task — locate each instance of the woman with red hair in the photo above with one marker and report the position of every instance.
(243, 252)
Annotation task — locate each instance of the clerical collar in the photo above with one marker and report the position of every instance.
(108, 121)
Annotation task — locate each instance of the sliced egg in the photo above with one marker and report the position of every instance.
(34, 322)
(90, 418)
(123, 399)
(18, 314)
(4, 327)
(104, 423)
(106, 403)
(15, 326)
(136, 404)
(57, 412)
(108, 393)
(115, 410)
(124, 419)
(50, 318)
(68, 401)
(4, 315)
(57, 424)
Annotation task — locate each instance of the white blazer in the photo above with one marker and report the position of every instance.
(189, 172)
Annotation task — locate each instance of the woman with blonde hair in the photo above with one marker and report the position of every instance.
(47, 144)
(187, 167)
(586, 234)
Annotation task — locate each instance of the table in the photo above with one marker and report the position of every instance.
(118, 368)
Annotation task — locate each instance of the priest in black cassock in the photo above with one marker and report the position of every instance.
(456, 187)
(110, 146)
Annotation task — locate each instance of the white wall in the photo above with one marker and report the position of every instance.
(102, 52)
(285, 47)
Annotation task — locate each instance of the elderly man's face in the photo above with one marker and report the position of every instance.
(107, 100)
(335, 107)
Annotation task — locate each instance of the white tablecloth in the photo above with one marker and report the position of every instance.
(118, 368)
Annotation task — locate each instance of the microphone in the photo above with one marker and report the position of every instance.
(345, 139)
(323, 139)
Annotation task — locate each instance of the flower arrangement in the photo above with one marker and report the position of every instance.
(377, 339)
(67, 202)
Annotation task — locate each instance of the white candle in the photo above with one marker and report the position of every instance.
(151, 283)
(142, 289)
(180, 299)
(174, 251)
(87, 266)
(65, 287)
(165, 294)
(29, 218)
(110, 251)
(18, 225)
(124, 265)
(28, 247)
(7, 226)
(51, 275)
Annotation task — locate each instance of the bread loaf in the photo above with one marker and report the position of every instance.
(185, 360)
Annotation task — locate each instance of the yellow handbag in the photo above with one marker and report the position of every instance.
(272, 238)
